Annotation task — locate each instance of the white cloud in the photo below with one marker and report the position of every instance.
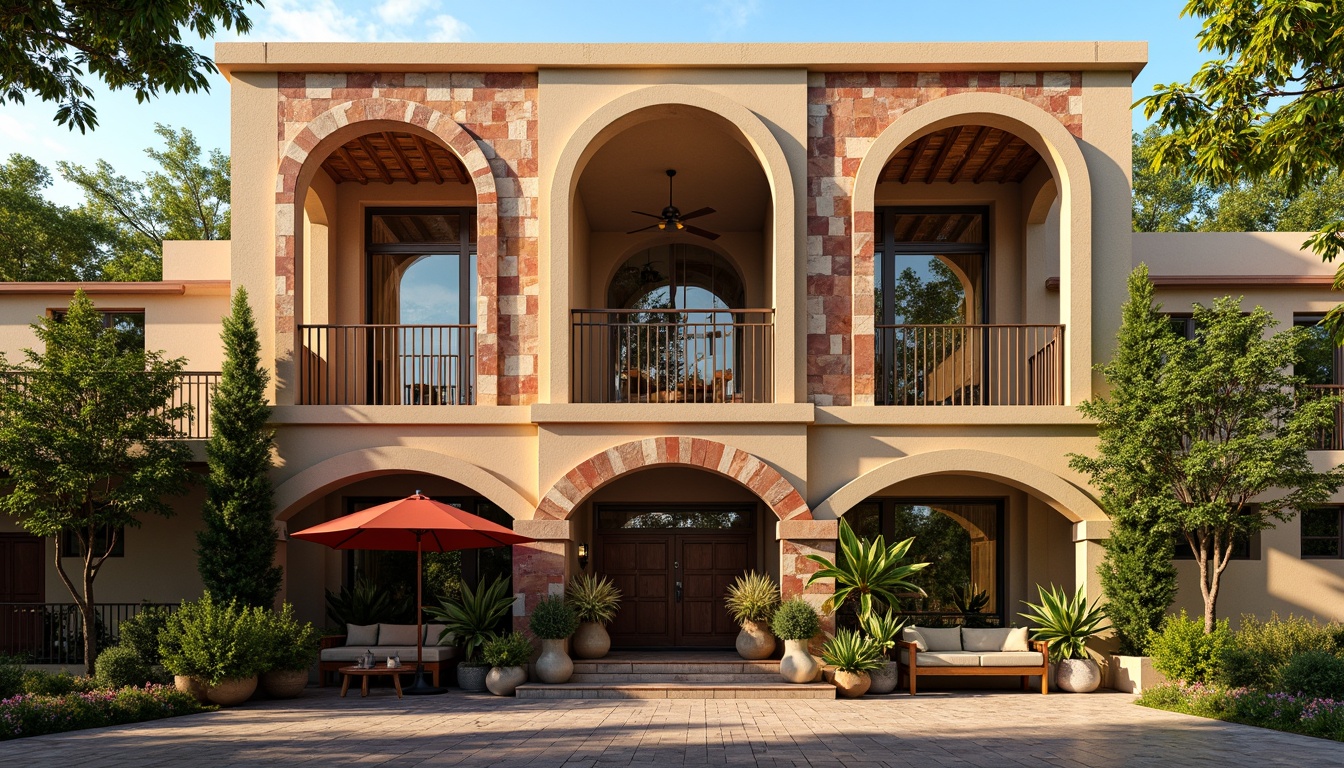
(734, 14)
(403, 12)
(27, 135)
(312, 21)
(447, 29)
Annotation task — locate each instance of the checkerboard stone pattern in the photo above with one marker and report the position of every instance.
(846, 113)
(489, 120)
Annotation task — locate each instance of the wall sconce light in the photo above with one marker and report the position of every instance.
(583, 555)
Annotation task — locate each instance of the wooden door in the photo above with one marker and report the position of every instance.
(707, 564)
(641, 567)
(22, 580)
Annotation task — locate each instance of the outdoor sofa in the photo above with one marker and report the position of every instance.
(386, 640)
(972, 651)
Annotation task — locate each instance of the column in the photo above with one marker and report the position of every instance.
(797, 540)
(539, 568)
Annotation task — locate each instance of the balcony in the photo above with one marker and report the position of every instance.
(1331, 438)
(194, 388)
(672, 355)
(387, 365)
(970, 364)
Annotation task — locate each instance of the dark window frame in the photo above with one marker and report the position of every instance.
(70, 543)
(1338, 538)
(471, 558)
(1251, 551)
(58, 314)
(463, 248)
(749, 510)
(886, 248)
(1310, 319)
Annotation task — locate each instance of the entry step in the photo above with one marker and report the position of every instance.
(671, 690)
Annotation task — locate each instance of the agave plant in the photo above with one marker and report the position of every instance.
(970, 599)
(752, 597)
(867, 570)
(474, 615)
(850, 651)
(367, 603)
(1065, 623)
(593, 598)
(883, 629)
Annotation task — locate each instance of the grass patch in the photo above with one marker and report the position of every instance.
(1294, 713)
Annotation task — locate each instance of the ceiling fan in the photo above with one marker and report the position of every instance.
(672, 218)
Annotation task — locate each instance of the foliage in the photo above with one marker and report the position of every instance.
(594, 598)
(884, 629)
(553, 619)
(1281, 711)
(970, 599)
(140, 633)
(850, 651)
(795, 619)
(511, 650)
(120, 667)
(474, 615)
(752, 597)
(38, 714)
(1313, 673)
(291, 645)
(86, 438)
(1065, 623)
(214, 641)
(43, 683)
(1202, 427)
(366, 603)
(866, 570)
(50, 49)
(944, 544)
(236, 548)
(1182, 650)
(1260, 649)
(40, 240)
(11, 676)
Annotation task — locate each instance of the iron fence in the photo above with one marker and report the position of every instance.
(387, 365)
(53, 633)
(969, 364)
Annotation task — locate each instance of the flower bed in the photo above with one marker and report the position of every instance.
(1295, 713)
(36, 714)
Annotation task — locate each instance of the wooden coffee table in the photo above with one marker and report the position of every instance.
(379, 670)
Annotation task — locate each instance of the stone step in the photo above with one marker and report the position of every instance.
(679, 677)
(732, 666)
(574, 690)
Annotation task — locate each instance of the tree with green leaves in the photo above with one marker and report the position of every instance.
(1269, 106)
(40, 240)
(236, 552)
(1214, 447)
(50, 49)
(87, 443)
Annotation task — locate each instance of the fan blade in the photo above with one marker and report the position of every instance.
(702, 233)
(701, 212)
(641, 229)
(650, 215)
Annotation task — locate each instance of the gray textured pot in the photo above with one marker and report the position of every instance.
(232, 692)
(852, 685)
(284, 683)
(883, 679)
(755, 641)
(1078, 675)
(798, 664)
(502, 681)
(471, 677)
(553, 665)
(591, 641)
(192, 686)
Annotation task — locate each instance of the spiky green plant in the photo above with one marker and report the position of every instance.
(883, 628)
(752, 597)
(867, 569)
(850, 651)
(593, 598)
(474, 615)
(1065, 623)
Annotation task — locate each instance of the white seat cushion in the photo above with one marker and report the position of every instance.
(401, 634)
(942, 658)
(361, 634)
(1005, 659)
(942, 639)
(407, 653)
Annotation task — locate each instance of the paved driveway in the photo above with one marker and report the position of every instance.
(931, 731)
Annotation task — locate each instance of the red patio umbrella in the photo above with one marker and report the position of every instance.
(416, 522)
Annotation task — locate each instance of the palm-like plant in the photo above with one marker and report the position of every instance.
(1065, 623)
(850, 651)
(593, 598)
(868, 570)
(474, 615)
(752, 597)
(884, 629)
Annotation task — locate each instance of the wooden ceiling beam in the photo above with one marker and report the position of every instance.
(914, 157)
(980, 135)
(429, 159)
(350, 163)
(332, 172)
(966, 220)
(401, 157)
(1005, 139)
(951, 136)
(373, 158)
(1021, 163)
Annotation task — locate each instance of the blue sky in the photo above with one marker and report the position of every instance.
(126, 127)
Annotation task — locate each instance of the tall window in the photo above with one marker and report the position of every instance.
(1321, 357)
(1323, 532)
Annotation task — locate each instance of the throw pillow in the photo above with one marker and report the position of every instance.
(361, 634)
(432, 632)
(942, 639)
(913, 635)
(396, 635)
(1016, 640)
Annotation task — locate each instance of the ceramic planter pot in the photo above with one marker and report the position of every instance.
(192, 686)
(471, 677)
(232, 692)
(284, 683)
(591, 641)
(1078, 675)
(502, 681)
(883, 679)
(553, 665)
(755, 641)
(852, 685)
(798, 664)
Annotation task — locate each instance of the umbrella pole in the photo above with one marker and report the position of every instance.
(420, 687)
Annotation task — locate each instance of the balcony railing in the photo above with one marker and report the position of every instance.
(970, 364)
(1331, 438)
(194, 388)
(672, 356)
(387, 365)
(53, 633)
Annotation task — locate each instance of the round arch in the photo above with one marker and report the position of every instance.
(302, 489)
(301, 161)
(1065, 497)
(643, 105)
(739, 466)
(1062, 156)
(665, 238)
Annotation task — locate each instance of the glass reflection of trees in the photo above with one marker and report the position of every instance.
(708, 517)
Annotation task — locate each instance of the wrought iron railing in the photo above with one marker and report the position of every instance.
(194, 388)
(53, 633)
(1331, 438)
(387, 365)
(672, 355)
(969, 364)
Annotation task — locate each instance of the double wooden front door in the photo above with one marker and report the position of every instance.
(22, 583)
(673, 585)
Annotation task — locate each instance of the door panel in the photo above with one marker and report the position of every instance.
(640, 566)
(709, 563)
(22, 580)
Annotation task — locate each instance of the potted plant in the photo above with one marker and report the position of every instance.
(293, 648)
(595, 601)
(853, 657)
(883, 630)
(473, 616)
(752, 600)
(867, 570)
(553, 621)
(507, 656)
(215, 651)
(1066, 624)
(796, 623)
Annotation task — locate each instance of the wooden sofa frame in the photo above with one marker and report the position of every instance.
(911, 668)
(333, 667)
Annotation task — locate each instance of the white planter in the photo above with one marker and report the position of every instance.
(502, 681)
(1078, 675)
(798, 664)
(553, 665)
(755, 641)
(591, 641)
(883, 679)
(1134, 674)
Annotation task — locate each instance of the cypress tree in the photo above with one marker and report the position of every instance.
(236, 549)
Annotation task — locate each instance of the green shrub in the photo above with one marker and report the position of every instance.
(34, 715)
(120, 667)
(1182, 651)
(1313, 673)
(11, 676)
(1261, 649)
(140, 633)
(511, 650)
(290, 645)
(211, 641)
(795, 619)
(553, 619)
(41, 683)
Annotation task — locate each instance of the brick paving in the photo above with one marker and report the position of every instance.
(932, 731)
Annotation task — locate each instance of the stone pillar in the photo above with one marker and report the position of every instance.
(539, 568)
(797, 540)
(1088, 552)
